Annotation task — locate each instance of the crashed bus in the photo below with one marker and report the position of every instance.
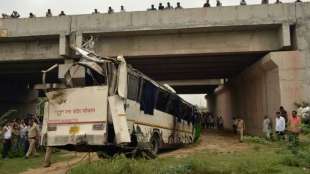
(116, 108)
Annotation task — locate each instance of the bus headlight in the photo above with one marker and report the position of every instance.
(99, 126)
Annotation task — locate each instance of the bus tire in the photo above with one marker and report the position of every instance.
(155, 144)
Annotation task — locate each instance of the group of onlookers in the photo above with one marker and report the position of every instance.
(207, 4)
(20, 137)
(210, 121)
(286, 127)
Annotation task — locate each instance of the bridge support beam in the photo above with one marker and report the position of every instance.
(278, 79)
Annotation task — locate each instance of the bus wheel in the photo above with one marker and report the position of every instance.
(154, 145)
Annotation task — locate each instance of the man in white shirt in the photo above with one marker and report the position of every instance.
(280, 126)
(7, 135)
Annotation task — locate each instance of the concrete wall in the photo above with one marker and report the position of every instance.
(34, 49)
(17, 97)
(276, 80)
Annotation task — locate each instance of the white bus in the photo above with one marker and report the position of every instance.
(116, 107)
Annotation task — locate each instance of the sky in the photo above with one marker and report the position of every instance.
(195, 99)
(73, 7)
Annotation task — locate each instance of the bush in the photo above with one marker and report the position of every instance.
(305, 128)
(301, 159)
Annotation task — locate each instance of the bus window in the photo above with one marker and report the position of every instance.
(133, 87)
(148, 94)
(173, 106)
(162, 100)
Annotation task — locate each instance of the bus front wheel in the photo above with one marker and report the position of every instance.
(154, 145)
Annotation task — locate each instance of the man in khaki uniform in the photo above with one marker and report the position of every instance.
(33, 134)
(241, 128)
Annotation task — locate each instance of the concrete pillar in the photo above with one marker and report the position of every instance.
(278, 79)
(17, 97)
(224, 105)
(210, 102)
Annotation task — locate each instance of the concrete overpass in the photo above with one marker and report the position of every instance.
(262, 52)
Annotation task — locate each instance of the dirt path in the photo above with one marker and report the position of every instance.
(63, 166)
(211, 140)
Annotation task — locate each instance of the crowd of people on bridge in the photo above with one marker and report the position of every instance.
(168, 6)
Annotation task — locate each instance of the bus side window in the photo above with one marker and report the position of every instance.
(173, 106)
(133, 87)
(182, 110)
(148, 97)
(162, 100)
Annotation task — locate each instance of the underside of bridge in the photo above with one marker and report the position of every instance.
(199, 69)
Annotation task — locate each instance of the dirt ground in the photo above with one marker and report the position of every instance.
(63, 167)
(211, 139)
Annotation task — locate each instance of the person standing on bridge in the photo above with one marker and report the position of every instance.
(241, 129)
(207, 4)
(218, 3)
(96, 11)
(278, 2)
(178, 7)
(161, 7)
(122, 9)
(243, 2)
(31, 15)
(15, 14)
(62, 13)
(168, 7)
(110, 10)
(265, 1)
(152, 8)
(5, 16)
(49, 13)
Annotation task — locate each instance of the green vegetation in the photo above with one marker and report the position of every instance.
(17, 165)
(259, 158)
(305, 128)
